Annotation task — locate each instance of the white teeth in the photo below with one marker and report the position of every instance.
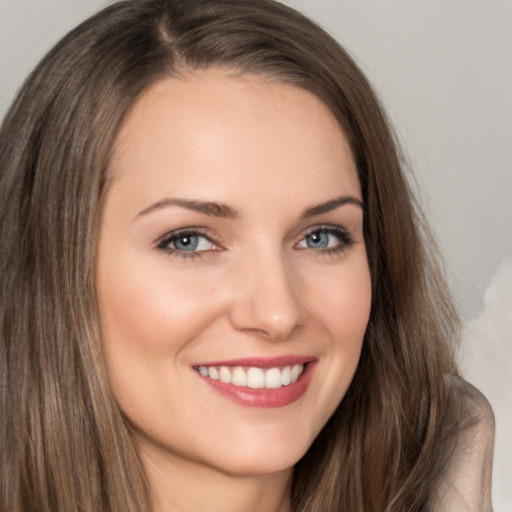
(273, 378)
(296, 371)
(253, 377)
(239, 378)
(213, 373)
(224, 375)
(286, 376)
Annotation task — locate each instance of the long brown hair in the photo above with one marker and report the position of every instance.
(63, 442)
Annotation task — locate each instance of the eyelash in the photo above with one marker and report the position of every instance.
(344, 237)
(164, 243)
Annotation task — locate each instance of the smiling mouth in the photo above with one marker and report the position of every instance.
(253, 377)
(259, 382)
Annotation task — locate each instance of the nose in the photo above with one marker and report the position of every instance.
(266, 298)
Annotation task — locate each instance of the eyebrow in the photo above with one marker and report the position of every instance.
(331, 205)
(214, 209)
(209, 208)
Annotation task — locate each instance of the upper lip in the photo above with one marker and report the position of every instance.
(261, 362)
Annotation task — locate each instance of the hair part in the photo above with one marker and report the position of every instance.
(64, 444)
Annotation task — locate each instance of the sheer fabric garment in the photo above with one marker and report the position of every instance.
(466, 484)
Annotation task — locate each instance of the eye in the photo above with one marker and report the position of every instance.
(326, 239)
(186, 243)
(191, 242)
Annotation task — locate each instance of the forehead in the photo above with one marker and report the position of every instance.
(195, 132)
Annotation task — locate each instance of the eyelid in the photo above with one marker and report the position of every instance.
(322, 226)
(163, 242)
(344, 235)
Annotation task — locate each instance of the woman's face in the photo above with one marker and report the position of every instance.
(232, 275)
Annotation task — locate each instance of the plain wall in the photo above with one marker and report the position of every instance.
(444, 71)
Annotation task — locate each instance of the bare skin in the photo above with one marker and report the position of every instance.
(232, 232)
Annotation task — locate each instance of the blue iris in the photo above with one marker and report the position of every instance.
(317, 240)
(186, 243)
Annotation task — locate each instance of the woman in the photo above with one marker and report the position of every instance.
(216, 288)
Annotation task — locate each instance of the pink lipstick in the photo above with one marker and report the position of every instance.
(259, 382)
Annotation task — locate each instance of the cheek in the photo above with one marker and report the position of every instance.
(343, 303)
(150, 308)
(350, 319)
(341, 308)
(150, 320)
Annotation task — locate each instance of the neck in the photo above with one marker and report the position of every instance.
(189, 486)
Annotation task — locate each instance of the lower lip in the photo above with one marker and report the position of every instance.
(263, 397)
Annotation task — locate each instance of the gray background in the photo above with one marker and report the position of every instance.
(444, 72)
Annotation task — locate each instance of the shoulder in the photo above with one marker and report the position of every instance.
(466, 485)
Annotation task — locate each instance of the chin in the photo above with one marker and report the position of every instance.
(263, 455)
(263, 464)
